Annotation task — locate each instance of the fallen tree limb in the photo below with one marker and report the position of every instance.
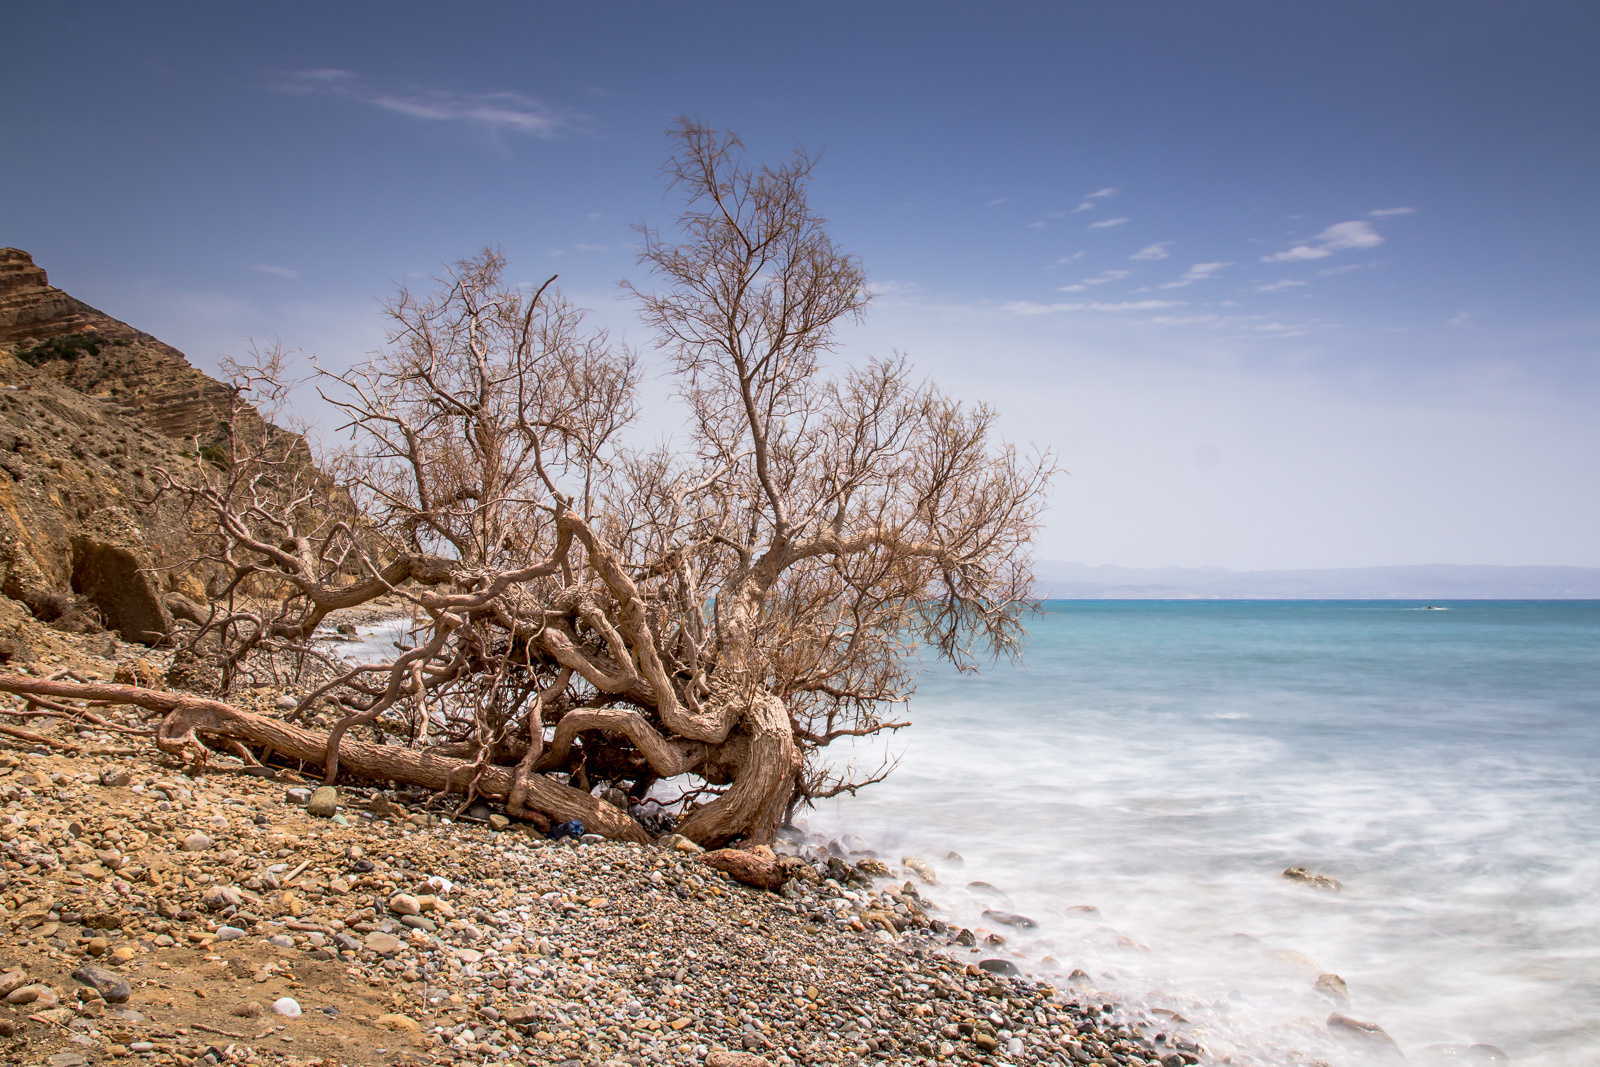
(187, 719)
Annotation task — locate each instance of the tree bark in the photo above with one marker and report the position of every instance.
(188, 717)
(753, 807)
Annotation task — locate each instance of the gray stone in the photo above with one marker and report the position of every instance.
(996, 966)
(281, 941)
(66, 1059)
(196, 842)
(297, 795)
(112, 987)
(383, 944)
(229, 933)
(1005, 918)
(323, 801)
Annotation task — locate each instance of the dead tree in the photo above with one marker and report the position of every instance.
(719, 609)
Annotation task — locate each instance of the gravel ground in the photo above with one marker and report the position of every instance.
(401, 936)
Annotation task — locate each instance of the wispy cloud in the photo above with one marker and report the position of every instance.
(1028, 307)
(267, 268)
(1197, 273)
(504, 111)
(1069, 259)
(1100, 279)
(996, 200)
(1278, 287)
(1090, 198)
(1339, 237)
(590, 248)
(1045, 221)
(1346, 268)
(1385, 212)
(1106, 224)
(1464, 319)
(1155, 251)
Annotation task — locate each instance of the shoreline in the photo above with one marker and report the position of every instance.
(599, 953)
(154, 917)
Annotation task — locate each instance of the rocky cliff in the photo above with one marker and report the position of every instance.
(89, 407)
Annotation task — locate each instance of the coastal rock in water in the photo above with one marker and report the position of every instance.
(1006, 918)
(1368, 1036)
(1332, 987)
(1315, 881)
(1463, 1054)
(757, 867)
(984, 889)
(875, 867)
(922, 869)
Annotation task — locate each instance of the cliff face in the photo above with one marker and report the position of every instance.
(89, 406)
(96, 355)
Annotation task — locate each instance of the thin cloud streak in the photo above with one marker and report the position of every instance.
(1197, 273)
(1155, 251)
(267, 268)
(1105, 224)
(503, 111)
(1028, 307)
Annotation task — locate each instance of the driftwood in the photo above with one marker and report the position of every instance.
(189, 720)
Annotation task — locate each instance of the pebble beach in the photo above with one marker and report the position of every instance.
(156, 916)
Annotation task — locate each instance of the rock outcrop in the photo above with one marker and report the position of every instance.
(89, 407)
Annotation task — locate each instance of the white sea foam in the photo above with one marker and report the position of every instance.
(1165, 763)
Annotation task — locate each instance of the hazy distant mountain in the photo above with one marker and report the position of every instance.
(1076, 581)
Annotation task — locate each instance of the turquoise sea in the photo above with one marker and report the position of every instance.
(1163, 763)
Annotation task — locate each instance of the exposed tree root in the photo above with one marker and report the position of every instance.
(192, 725)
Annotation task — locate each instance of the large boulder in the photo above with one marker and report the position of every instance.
(111, 566)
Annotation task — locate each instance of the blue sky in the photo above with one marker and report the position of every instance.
(1287, 285)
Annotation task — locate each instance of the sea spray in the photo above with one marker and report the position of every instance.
(1163, 764)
